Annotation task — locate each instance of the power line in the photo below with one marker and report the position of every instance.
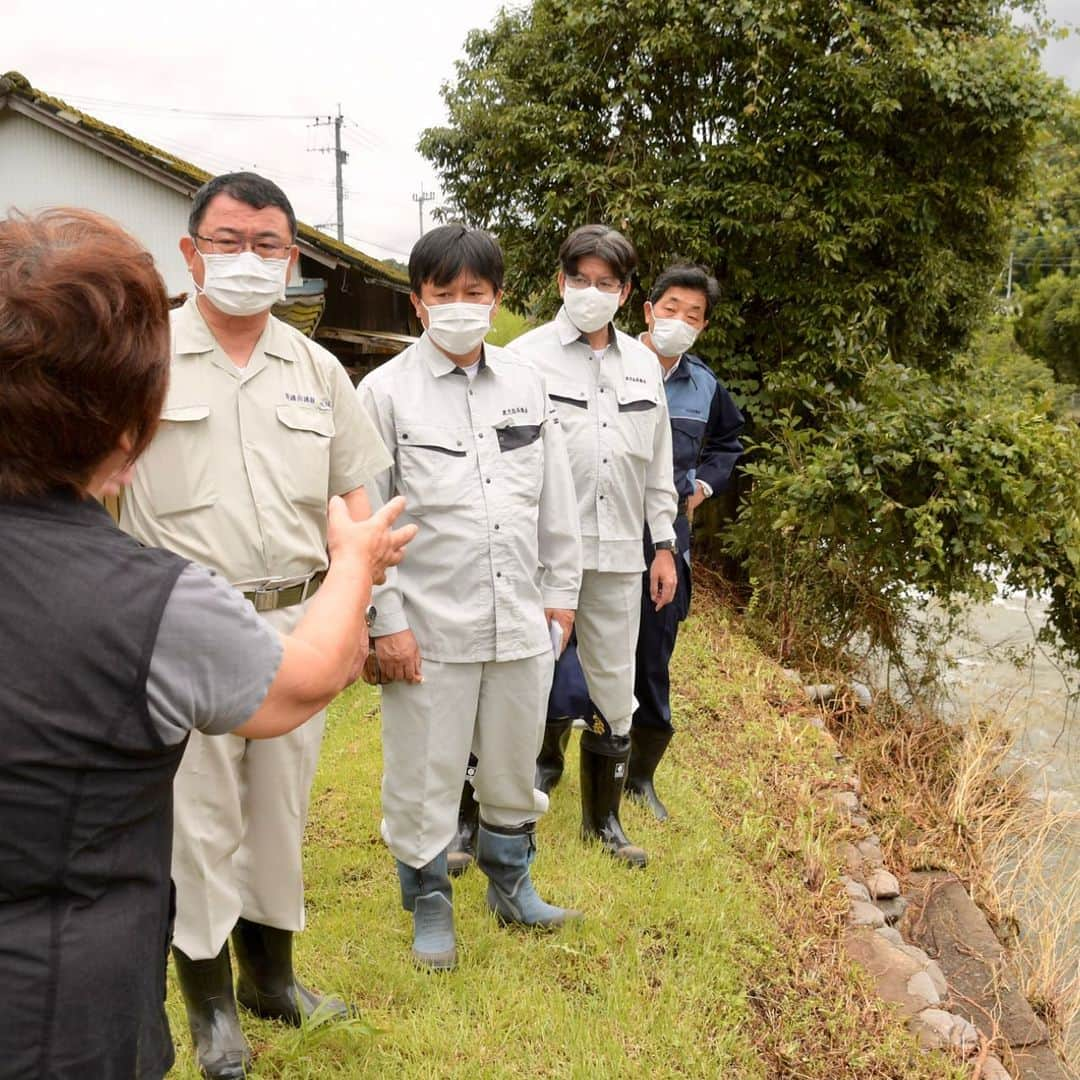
(375, 243)
(134, 106)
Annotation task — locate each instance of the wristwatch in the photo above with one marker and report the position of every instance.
(369, 615)
(665, 545)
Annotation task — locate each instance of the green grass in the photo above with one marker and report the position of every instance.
(722, 958)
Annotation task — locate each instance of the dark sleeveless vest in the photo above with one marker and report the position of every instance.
(85, 798)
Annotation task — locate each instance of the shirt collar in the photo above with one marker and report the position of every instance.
(569, 333)
(438, 363)
(673, 371)
(678, 370)
(191, 334)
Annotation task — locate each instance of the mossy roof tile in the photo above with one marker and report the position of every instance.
(18, 85)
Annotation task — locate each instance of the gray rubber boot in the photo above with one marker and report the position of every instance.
(505, 856)
(426, 892)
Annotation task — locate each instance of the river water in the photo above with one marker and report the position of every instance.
(998, 666)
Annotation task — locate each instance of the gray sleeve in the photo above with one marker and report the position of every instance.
(213, 661)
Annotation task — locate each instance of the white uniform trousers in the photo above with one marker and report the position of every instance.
(238, 823)
(607, 622)
(494, 709)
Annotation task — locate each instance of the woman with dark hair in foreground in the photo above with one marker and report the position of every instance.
(111, 653)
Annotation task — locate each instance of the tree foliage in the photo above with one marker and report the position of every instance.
(1049, 327)
(848, 169)
(1047, 240)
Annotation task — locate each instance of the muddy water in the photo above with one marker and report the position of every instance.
(998, 666)
(1032, 694)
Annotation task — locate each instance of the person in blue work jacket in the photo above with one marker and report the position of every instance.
(705, 425)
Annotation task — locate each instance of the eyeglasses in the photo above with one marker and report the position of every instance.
(233, 245)
(604, 284)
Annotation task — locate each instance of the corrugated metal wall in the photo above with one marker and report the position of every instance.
(40, 167)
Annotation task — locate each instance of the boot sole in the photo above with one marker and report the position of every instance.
(659, 811)
(231, 1071)
(507, 922)
(634, 857)
(444, 961)
(456, 864)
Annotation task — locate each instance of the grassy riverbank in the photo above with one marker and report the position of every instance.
(721, 959)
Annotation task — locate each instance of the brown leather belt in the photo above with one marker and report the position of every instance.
(270, 598)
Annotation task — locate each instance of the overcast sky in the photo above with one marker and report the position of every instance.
(132, 61)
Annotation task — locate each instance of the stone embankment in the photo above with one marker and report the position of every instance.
(932, 953)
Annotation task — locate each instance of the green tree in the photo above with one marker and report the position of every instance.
(848, 170)
(1047, 238)
(1049, 327)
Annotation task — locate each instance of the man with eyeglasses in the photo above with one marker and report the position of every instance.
(607, 390)
(261, 426)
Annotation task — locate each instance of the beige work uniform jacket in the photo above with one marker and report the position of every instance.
(240, 471)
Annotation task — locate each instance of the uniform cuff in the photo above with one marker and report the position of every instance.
(391, 623)
(560, 598)
(661, 531)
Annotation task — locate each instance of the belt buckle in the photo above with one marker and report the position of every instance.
(265, 599)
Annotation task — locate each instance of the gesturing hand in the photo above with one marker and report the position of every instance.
(372, 539)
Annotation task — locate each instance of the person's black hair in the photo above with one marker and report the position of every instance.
(246, 187)
(440, 255)
(604, 243)
(686, 276)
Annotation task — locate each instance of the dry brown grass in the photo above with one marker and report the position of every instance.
(947, 795)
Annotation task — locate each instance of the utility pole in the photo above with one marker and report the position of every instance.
(421, 198)
(340, 158)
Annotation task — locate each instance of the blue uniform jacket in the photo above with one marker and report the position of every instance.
(705, 425)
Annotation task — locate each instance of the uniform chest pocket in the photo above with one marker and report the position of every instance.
(571, 400)
(178, 466)
(305, 452)
(521, 459)
(637, 422)
(436, 466)
(686, 438)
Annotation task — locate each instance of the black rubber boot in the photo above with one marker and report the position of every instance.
(266, 984)
(603, 772)
(551, 760)
(207, 985)
(461, 853)
(647, 746)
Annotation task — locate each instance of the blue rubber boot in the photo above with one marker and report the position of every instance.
(427, 894)
(505, 855)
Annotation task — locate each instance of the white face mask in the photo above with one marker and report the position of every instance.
(672, 337)
(243, 284)
(458, 328)
(590, 309)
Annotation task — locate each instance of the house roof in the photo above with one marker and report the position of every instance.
(191, 177)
